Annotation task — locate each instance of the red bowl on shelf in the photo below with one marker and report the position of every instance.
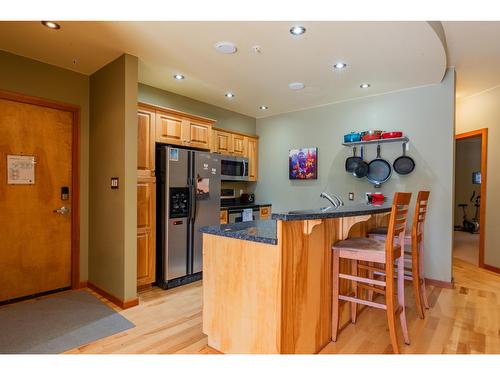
(387, 135)
(370, 137)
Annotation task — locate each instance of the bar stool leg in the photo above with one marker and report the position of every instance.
(423, 289)
(370, 276)
(401, 297)
(415, 272)
(354, 305)
(335, 295)
(389, 302)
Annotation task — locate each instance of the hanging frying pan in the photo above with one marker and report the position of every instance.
(404, 164)
(361, 168)
(379, 170)
(352, 161)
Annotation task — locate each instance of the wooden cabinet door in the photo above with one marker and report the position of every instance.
(239, 145)
(223, 216)
(253, 161)
(169, 129)
(146, 249)
(145, 142)
(223, 142)
(199, 135)
(265, 213)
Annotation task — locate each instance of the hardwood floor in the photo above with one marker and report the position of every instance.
(465, 319)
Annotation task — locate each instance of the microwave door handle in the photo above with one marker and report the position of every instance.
(244, 168)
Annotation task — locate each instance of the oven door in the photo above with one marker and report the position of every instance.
(234, 168)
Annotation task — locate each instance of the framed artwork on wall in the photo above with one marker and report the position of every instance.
(303, 164)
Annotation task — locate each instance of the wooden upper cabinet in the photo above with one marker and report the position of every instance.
(177, 129)
(222, 142)
(170, 129)
(145, 142)
(239, 144)
(199, 134)
(253, 158)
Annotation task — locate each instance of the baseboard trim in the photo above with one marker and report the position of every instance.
(118, 302)
(440, 283)
(82, 284)
(491, 268)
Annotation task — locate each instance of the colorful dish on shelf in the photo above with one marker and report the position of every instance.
(371, 135)
(396, 134)
(352, 137)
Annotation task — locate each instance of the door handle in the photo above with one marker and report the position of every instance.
(63, 210)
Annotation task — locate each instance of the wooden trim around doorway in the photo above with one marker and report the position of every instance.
(75, 171)
(483, 133)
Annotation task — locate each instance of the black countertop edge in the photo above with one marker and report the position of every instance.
(237, 206)
(263, 231)
(344, 211)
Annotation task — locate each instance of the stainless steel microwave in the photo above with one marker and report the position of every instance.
(234, 168)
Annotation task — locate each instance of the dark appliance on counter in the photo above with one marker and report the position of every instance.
(246, 198)
(188, 192)
(234, 168)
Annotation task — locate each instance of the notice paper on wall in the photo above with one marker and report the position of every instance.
(247, 214)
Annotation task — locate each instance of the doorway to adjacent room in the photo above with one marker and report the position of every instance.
(470, 196)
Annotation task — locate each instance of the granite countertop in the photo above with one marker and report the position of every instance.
(344, 211)
(258, 231)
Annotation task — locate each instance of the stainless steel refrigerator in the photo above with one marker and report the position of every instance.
(188, 184)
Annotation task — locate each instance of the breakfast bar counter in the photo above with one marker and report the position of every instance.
(267, 284)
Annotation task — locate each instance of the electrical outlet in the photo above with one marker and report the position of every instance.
(114, 183)
(351, 196)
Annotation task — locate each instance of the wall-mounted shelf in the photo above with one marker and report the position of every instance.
(376, 141)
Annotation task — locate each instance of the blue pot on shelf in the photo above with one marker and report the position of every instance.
(352, 137)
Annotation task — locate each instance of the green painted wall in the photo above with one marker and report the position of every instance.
(113, 153)
(425, 114)
(225, 119)
(34, 78)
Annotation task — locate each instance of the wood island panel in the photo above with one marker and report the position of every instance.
(261, 298)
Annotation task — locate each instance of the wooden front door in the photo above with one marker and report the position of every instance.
(35, 238)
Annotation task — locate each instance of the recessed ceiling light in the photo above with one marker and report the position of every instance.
(229, 95)
(263, 107)
(225, 47)
(178, 76)
(297, 30)
(51, 25)
(364, 85)
(340, 65)
(296, 85)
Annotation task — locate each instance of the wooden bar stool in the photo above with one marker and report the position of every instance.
(384, 254)
(416, 255)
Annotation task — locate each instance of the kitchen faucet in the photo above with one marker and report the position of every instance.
(336, 203)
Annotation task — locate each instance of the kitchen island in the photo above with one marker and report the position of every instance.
(267, 284)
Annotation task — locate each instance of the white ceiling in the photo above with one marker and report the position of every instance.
(474, 50)
(389, 55)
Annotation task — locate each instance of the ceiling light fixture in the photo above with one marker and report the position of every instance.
(297, 30)
(364, 85)
(296, 86)
(263, 107)
(225, 47)
(51, 25)
(229, 95)
(178, 77)
(340, 65)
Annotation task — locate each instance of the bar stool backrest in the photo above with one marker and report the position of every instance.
(397, 225)
(417, 230)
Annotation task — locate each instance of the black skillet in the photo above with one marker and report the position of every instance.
(404, 164)
(361, 168)
(379, 170)
(352, 161)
